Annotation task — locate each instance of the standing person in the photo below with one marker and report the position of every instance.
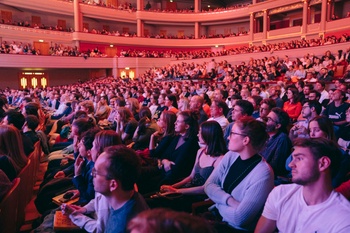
(311, 204)
(233, 185)
(115, 173)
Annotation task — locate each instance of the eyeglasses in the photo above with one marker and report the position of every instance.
(94, 173)
(270, 119)
(240, 134)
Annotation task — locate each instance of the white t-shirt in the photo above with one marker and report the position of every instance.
(287, 207)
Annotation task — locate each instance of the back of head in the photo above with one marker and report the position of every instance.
(213, 136)
(15, 118)
(106, 138)
(168, 221)
(32, 122)
(123, 165)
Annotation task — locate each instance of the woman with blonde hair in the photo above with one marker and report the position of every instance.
(12, 157)
(134, 106)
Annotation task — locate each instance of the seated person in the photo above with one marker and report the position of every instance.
(30, 125)
(209, 156)
(238, 194)
(311, 204)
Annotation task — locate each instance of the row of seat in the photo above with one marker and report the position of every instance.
(12, 207)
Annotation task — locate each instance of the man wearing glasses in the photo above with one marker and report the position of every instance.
(278, 147)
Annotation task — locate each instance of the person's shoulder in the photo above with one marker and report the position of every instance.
(286, 191)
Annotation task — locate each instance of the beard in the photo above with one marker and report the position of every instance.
(270, 128)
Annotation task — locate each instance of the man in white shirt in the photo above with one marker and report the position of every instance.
(311, 204)
(321, 88)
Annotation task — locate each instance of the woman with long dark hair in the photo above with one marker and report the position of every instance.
(292, 106)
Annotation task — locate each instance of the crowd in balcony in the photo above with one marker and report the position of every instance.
(177, 127)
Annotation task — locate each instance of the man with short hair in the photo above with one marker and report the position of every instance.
(218, 110)
(311, 204)
(114, 175)
(278, 147)
(310, 110)
(314, 95)
(196, 104)
(321, 88)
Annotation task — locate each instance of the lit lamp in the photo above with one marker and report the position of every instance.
(132, 74)
(34, 82)
(23, 82)
(43, 82)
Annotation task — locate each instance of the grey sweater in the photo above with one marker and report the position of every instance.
(251, 193)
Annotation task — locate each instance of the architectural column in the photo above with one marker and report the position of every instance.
(304, 24)
(140, 30)
(265, 22)
(323, 15)
(140, 6)
(196, 30)
(197, 5)
(78, 17)
(251, 27)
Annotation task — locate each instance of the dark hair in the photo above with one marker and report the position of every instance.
(206, 98)
(283, 118)
(320, 147)
(323, 84)
(255, 130)
(168, 221)
(83, 124)
(326, 126)
(120, 102)
(123, 165)
(88, 137)
(295, 94)
(191, 119)
(315, 104)
(318, 95)
(269, 102)
(213, 136)
(246, 106)
(32, 122)
(173, 100)
(169, 118)
(32, 109)
(221, 104)
(15, 118)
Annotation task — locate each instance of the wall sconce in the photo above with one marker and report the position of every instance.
(34, 82)
(23, 82)
(43, 82)
(123, 74)
(132, 74)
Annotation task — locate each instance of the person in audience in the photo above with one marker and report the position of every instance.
(218, 111)
(146, 127)
(175, 162)
(102, 109)
(134, 106)
(255, 100)
(125, 124)
(16, 119)
(275, 93)
(310, 110)
(233, 185)
(115, 173)
(161, 106)
(196, 104)
(209, 156)
(168, 221)
(278, 147)
(292, 106)
(311, 196)
(320, 86)
(336, 110)
(29, 128)
(265, 108)
(171, 103)
(12, 157)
